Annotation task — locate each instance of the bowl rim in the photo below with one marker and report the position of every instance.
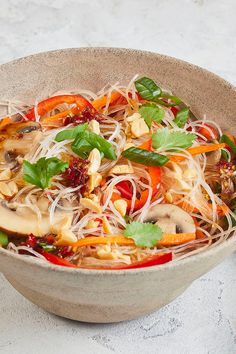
(173, 264)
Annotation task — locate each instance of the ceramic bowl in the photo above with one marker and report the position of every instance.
(112, 296)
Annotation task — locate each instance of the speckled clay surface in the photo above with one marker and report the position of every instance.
(110, 296)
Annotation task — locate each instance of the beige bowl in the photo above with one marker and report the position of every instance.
(112, 296)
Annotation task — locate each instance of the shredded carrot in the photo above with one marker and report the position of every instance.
(146, 145)
(101, 102)
(199, 150)
(4, 122)
(59, 116)
(167, 240)
(221, 209)
(188, 207)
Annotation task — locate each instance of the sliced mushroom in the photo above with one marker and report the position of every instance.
(24, 144)
(22, 128)
(24, 222)
(213, 157)
(171, 219)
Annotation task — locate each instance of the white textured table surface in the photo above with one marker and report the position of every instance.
(203, 319)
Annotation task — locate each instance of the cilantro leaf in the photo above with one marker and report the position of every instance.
(151, 112)
(87, 141)
(181, 117)
(41, 172)
(147, 88)
(164, 139)
(69, 134)
(143, 234)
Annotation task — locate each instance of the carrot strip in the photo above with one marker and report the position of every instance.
(176, 239)
(199, 233)
(101, 102)
(146, 145)
(167, 240)
(221, 209)
(60, 115)
(199, 150)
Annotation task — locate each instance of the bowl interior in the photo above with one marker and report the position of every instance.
(35, 77)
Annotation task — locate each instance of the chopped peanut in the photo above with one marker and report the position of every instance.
(13, 187)
(90, 204)
(65, 237)
(5, 174)
(8, 190)
(121, 169)
(121, 206)
(94, 161)
(135, 116)
(92, 224)
(94, 126)
(105, 252)
(169, 197)
(94, 181)
(139, 128)
(106, 225)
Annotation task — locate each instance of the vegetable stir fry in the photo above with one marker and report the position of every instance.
(120, 179)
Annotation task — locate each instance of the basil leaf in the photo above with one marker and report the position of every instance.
(41, 172)
(164, 139)
(81, 147)
(147, 88)
(3, 239)
(70, 134)
(143, 234)
(144, 157)
(151, 112)
(225, 139)
(175, 101)
(181, 117)
(87, 141)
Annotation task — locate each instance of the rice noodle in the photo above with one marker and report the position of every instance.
(113, 128)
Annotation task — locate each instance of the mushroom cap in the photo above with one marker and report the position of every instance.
(168, 215)
(23, 224)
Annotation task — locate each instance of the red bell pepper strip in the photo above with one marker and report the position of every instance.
(174, 110)
(56, 260)
(125, 189)
(209, 132)
(155, 175)
(49, 104)
(147, 262)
